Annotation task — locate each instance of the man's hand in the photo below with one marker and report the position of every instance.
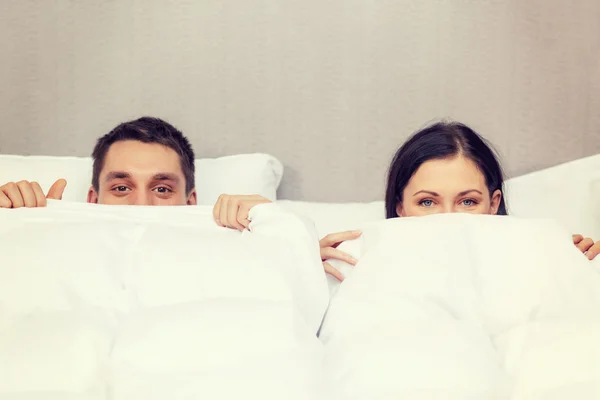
(29, 194)
(329, 251)
(231, 211)
(587, 246)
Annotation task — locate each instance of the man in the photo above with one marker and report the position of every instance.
(142, 162)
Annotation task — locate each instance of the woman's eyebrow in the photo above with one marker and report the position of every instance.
(469, 191)
(434, 194)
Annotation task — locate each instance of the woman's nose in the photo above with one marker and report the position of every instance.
(448, 209)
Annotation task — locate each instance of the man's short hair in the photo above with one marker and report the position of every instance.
(147, 130)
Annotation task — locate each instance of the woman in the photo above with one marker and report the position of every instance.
(444, 168)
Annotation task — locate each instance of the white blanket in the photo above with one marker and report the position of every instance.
(127, 303)
(465, 307)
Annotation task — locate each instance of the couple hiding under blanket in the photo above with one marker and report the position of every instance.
(444, 168)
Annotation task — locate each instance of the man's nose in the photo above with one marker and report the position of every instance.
(142, 199)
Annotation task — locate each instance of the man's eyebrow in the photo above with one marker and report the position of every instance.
(117, 175)
(164, 176)
(427, 192)
(469, 191)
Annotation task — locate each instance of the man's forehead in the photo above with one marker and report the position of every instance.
(138, 158)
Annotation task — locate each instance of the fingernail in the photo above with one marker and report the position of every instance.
(357, 232)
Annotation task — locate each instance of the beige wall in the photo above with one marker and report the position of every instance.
(329, 87)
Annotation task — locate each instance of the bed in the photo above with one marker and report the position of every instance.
(153, 303)
(104, 303)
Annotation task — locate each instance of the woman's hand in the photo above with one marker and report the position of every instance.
(329, 251)
(231, 211)
(587, 246)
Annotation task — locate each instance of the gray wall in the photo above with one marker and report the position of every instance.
(329, 87)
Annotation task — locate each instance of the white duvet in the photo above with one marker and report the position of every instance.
(465, 307)
(132, 303)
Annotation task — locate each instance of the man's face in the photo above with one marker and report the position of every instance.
(144, 174)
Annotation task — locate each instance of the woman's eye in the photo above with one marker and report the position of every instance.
(468, 202)
(427, 203)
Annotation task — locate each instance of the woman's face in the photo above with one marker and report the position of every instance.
(449, 185)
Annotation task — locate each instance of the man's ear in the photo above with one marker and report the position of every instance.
(192, 198)
(92, 196)
(400, 210)
(495, 201)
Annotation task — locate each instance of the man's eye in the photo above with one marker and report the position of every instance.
(162, 189)
(120, 188)
(426, 203)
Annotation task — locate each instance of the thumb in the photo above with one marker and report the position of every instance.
(57, 189)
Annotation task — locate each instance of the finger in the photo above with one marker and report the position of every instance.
(585, 245)
(39, 194)
(4, 200)
(57, 189)
(333, 271)
(593, 251)
(246, 204)
(334, 239)
(217, 210)
(577, 239)
(232, 215)
(243, 212)
(223, 211)
(27, 194)
(328, 253)
(11, 190)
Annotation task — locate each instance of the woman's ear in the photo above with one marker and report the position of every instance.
(495, 201)
(92, 196)
(400, 210)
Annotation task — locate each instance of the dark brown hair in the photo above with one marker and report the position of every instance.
(438, 141)
(147, 130)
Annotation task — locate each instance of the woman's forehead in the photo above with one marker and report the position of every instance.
(450, 172)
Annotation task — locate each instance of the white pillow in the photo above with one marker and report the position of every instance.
(336, 217)
(244, 173)
(595, 191)
(239, 174)
(563, 193)
(465, 307)
(158, 302)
